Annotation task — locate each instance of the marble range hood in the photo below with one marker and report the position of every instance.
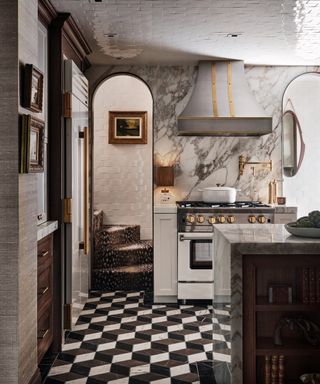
(222, 104)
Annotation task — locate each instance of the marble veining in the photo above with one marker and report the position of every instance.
(236, 240)
(267, 234)
(46, 229)
(206, 161)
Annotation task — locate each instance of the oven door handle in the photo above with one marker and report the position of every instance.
(183, 238)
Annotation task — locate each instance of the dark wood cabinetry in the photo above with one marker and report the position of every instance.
(260, 318)
(45, 294)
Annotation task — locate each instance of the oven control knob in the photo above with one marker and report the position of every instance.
(252, 219)
(212, 220)
(190, 219)
(200, 219)
(262, 219)
(231, 219)
(221, 219)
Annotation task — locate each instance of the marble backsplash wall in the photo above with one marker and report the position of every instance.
(206, 161)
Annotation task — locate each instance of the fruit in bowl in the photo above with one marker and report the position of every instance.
(304, 222)
(306, 226)
(310, 221)
(314, 217)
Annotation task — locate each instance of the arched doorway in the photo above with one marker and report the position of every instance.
(122, 184)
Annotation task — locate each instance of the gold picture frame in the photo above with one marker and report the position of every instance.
(128, 127)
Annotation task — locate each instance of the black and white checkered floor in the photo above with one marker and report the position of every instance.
(119, 339)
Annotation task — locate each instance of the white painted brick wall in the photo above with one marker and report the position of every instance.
(123, 173)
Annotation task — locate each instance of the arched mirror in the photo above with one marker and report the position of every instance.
(293, 143)
(301, 143)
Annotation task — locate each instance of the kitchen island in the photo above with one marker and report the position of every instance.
(248, 261)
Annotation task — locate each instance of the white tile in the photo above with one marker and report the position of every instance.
(140, 369)
(221, 357)
(60, 369)
(100, 369)
(80, 327)
(105, 346)
(84, 357)
(92, 336)
(69, 346)
(122, 357)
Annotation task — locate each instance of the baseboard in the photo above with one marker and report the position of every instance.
(165, 299)
(36, 377)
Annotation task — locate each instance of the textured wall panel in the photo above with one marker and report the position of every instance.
(9, 192)
(28, 53)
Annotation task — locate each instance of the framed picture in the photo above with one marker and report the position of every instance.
(128, 127)
(32, 88)
(31, 144)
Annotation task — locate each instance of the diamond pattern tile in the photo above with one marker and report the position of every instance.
(139, 343)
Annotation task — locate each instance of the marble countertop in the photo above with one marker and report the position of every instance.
(165, 208)
(251, 237)
(46, 228)
(232, 242)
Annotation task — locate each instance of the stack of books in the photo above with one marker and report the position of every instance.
(309, 290)
(274, 369)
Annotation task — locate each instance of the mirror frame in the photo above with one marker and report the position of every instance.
(292, 171)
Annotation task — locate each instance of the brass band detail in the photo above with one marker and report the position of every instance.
(230, 96)
(220, 133)
(221, 118)
(86, 191)
(214, 91)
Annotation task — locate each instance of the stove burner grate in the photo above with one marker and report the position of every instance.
(237, 204)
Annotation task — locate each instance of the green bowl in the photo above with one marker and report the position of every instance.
(302, 232)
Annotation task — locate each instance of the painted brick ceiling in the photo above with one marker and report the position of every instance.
(278, 32)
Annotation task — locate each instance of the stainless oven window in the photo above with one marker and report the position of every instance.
(201, 254)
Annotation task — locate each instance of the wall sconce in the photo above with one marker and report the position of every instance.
(164, 177)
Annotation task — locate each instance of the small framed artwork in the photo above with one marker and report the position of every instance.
(31, 145)
(32, 88)
(128, 127)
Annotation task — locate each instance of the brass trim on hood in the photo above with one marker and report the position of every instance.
(214, 91)
(222, 104)
(230, 95)
(218, 133)
(220, 118)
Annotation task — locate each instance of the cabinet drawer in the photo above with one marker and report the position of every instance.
(45, 251)
(44, 289)
(44, 333)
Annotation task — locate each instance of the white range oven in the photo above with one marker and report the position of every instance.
(196, 241)
(195, 272)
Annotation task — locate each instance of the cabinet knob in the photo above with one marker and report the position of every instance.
(231, 219)
(262, 219)
(221, 219)
(200, 219)
(211, 220)
(252, 219)
(190, 219)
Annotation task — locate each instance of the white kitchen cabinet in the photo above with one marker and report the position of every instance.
(165, 257)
